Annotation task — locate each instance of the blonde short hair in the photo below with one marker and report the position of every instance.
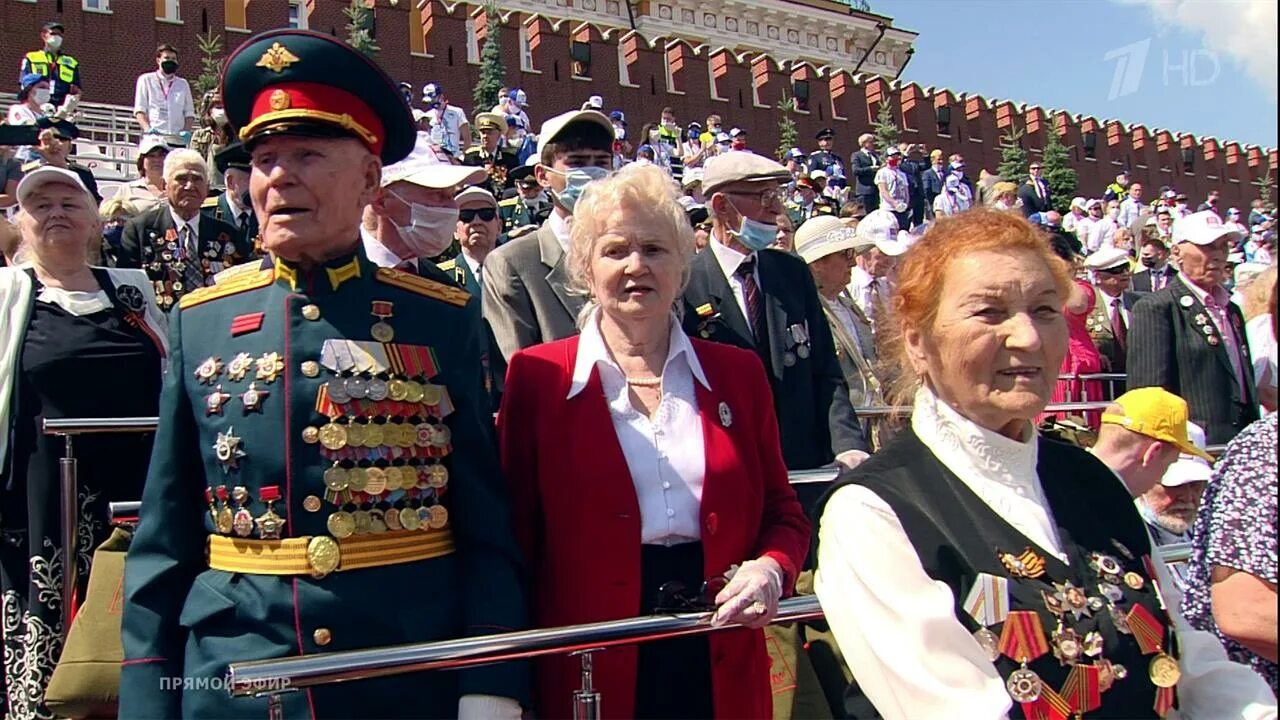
(638, 189)
(184, 159)
(118, 204)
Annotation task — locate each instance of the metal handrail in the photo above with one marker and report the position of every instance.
(293, 673)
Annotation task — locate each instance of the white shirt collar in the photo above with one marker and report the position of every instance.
(1199, 292)
(178, 222)
(378, 253)
(971, 451)
(592, 351)
(560, 228)
(472, 265)
(728, 258)
(234, 206)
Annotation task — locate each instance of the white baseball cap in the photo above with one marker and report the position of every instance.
(1203, 228)
(1189, 468)
(423, 167)
(880, 228)
(46, 175)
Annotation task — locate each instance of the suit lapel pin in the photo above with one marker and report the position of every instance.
(1186, 301)
(1213, 339)
(707, 317)
(726, 416)
(1200, 319)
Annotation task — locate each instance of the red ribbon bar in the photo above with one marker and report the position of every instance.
(1022, 637)
(269, 493)
(242, 324)
(382, 308)
(1164, 701)
(1083, 688)
(1049, 706)
(1147, 630)
(222, 493)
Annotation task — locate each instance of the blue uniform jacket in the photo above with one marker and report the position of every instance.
(184, 622)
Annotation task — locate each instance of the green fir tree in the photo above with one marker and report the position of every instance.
(492, 71)
(788, 136)
(885, 127)
(360, 28)
(1264, 186)
(1013, 158)
(1058, 174)
(210, 67)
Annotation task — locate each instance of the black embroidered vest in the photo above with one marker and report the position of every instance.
(957, 537)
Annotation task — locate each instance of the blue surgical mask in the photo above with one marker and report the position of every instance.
(576, 180)
(755, 235)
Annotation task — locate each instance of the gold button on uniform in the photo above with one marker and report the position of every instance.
(310, 435)
(311, 312)
(322, 636)
(311, 503)
(311, 368)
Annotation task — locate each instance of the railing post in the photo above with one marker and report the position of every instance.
(586, 701)
(70, 495)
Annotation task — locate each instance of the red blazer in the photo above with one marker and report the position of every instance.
(578, 520)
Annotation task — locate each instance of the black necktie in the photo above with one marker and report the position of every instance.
(1118, 327)
(242, 220)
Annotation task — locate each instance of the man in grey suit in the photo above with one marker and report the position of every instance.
(524, 295)
(1189, 338)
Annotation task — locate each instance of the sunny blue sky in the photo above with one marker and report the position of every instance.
(1053, 53)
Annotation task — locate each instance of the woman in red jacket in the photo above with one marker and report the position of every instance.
(647, 474)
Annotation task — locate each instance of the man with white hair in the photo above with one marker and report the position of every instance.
(1170, 506)
(1108, 322)
(180, 248)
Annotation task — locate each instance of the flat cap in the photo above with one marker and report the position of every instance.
(297, 82)
(741, 166)
(1107, 258)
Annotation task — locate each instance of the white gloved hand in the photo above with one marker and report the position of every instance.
(851, 459)
(752, 595)
(488, 707)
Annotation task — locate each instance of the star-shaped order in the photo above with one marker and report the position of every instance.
(214, 401)
(269, 367)
(1074, 599)
(252, 398)
(228, 449)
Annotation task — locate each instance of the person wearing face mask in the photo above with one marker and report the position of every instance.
(740, 293)
(62, 70)
(162, 100)
(148, 189)
(1156, 272)
(894, 187)
(214, 132)
(412, 216)
(33, 95)
(232, 205)
(525, 294)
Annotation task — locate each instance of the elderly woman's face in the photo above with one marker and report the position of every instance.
(634, 270)
(59, 216)
(997, 341)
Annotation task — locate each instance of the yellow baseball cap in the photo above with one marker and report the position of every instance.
(1158, 414)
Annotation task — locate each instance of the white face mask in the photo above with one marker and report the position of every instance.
(54, 42)
(41, 95)
(219, 116)
(430, 229)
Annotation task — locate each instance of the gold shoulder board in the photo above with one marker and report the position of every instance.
(509, 202)
(237, 283)
(448, 265)
(422, 286)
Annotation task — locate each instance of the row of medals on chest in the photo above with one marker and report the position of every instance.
(355, 480)
(1022, 636)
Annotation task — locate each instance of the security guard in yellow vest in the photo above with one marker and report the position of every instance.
(50, 62)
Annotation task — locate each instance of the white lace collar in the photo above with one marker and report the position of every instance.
(1000, 471)
(75, 302)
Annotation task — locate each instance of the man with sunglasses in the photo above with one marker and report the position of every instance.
(476, 234)
(1034, 194)
(1108, 323)
(742, 294)
(523, 288)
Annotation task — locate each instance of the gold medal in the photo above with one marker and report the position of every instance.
(409, 519)
(356, 479)
(226, 520)
(437, 476)
(382, 332)
(341, 524)
(397, 389)
(988, 641)
(355, 435)
(392, 519)
(375, 481)
(335, 478)
(395, 479)
(439, 517)
(323, 555)
(1134, 580)
(413, 392)
(362, 520)
(377, 521)
(373, 436)
(311, 503)
(333, 436)
(1024, 685)
(431, 395)
(440, 435)
(1164, 671)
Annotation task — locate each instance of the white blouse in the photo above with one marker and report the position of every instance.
(665, 453)
(897, 628)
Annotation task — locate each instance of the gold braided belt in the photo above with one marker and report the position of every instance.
(320, 555)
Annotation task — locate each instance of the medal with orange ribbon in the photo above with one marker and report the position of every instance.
(1163, 668)
(1022, 640)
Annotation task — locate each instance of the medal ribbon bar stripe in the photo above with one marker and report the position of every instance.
(1022, 637)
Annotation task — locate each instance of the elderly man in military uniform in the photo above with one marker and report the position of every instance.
(528, 208)
(476, 235)
(492, 153)
(324, 477)
(232, 205)
(1108, 322)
